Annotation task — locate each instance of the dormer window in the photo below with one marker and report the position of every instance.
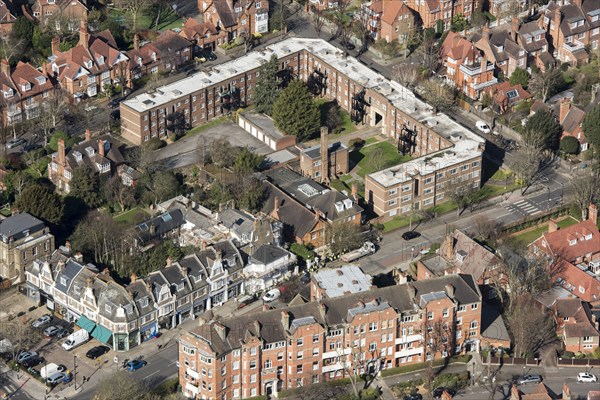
(78, 156)
(144, 302)
(41, 80)
(572, 242)
(8, 93)
(153, 56)
(90, 151)
(101, 60)
(180, 287)
(51, 1)
(588, 236)
(88, 64)
(107, 308)
(238, 9)
(26, 86)
(139, 61)
(461, 255)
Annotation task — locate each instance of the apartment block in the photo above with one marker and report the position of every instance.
(261, 354)
(432, 11)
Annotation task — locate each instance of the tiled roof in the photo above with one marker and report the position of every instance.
(18, 226)
(572, 242)
(573, 119)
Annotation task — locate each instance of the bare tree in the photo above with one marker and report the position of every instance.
(19, 335)
(584, 189)
(489, 380)
(120, 386)
(11, 48)
(407, 75)
(51, 112)
(360, 363)
(438, 340)
(116, 192)
(485, 228)
(531, 327)
(342, 236)
(463, 194)
(526, 164)
(134, 8)
(544, 84)
(318, 19)
(438, 95)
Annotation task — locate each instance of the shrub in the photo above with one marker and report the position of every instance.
(569, 145)
(369, 394)
(155, 144)
(455, 381)
(357, 143)
(568, 354)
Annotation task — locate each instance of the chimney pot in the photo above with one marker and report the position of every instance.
(133, 277)
(88, 135)
(450, 290)
(593, 213)
(101, 147)
(55, 45)
(552, 226)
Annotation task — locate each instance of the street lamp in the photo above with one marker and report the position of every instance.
(75, 371)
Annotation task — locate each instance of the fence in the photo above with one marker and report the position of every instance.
(528, 362)
(577, 362)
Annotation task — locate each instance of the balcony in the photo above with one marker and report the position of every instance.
(31, 104)
(483, 85)
(337, 353)
(332, 367)
(192, 388)
(409, 352)
(409, 338)
(11, 112)
(573, 46)
(475, 69)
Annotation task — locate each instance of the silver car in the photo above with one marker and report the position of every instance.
(41, 321)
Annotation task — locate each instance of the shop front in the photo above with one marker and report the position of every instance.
(149, 331)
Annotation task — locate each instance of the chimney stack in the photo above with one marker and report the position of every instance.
(355, 192)
(276, 208)
(61, 152)
(203, 245)
(14, 211)
(285, 320)
(593, 213)
(514, 27)
(101, 147)
(88, 135)
(169, 261)
(220, 330)
(565, 106)
(55, 45)
(84, 36)
(566, 392)
(324, 155)
(412, 291)
(450, 290)
(552, 226)
(449, 247)
(133, 277)
(78, 258)
(483, 63)
(136, 42)
(5, 67)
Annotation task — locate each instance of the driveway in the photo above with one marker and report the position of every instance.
(191, 149)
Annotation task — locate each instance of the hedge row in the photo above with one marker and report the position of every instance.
(421, 366)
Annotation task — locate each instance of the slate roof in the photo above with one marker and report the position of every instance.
(314, 152)
(580, 318)
(111, 153)
(238, 221)
(268, 253)
(142, 296)
(69, 272)
(326, 203)
(328, 312)
(162, 224)
(531, 29)
(121, 307)
(15, 226)
(492, 324)
(290, 211)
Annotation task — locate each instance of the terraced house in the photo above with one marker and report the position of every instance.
(264, 353)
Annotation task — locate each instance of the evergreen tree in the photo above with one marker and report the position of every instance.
(265, 91)
(85, 186)
(542, 131)
(295, 113)
(519, 76)
(41, 202)
(591, 126)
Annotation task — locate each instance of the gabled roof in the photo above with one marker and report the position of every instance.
(459, 48)
(192, 27)
(580, 318)
(571, 242)
(159, 225)
(268, 253)
(167, 43)
(111, 153)
(492, 324)
(389, 10)
(573, 119)
(476, 259)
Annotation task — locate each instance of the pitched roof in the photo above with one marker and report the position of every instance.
(89, 151)
(18, 226)
(390, 10)
(268, 253)
(580, 318)
(458, 48)
(159, 225)
(505, 93)
(571, 242)
(476, 259)
(330, 312)
(573, 119)
(492, 323)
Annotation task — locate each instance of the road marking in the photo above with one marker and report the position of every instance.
(537, 212)
(171, 363)
(520, 202)
(148, 376)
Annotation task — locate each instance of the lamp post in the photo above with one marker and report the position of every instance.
(75, 371)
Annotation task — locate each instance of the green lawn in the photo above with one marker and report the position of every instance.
(527, 237)
(146, 20)
(338, 185)
(444, 207)
(205, 126)
(371, 140)
(347, 125)
(501, 175)
(369, 159)
(128, 216)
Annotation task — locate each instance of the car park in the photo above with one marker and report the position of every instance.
(483, 127)
(62, 332)
(25, 355)
(96, 352)
(529, 379)
(11, 144)
(410, 235)
(51, 330)
(271, 295)
(134, 365)
(586, 377)
(51, 369)
(42, 321)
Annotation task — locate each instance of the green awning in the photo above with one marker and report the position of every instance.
(102, 334)
(85, 323)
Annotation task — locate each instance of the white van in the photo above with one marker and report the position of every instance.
(75, 339)
(51, 369)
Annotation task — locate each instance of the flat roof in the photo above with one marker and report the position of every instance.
(466, 143)
(342, 281)
(314, 152)
(265, 123)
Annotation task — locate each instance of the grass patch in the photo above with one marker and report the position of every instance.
(489, 191)
(444, 207)
(501, 175)
(6, 212)
(374, 158)
(399, 222)
(209, 124)
(528, 237)
(420, 366)
(128, 216)
(346, 178)
(145, 19)
(371, 140)
(347, 125)
(339, 185)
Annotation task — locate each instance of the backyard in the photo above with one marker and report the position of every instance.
(375, 157)
(527, 237)
(131, 216)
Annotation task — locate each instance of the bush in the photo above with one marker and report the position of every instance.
(568, 354)
(569, 145)
(420, 366)
(369, 394)
(454, 381)
(356, 143)
(302, 251)
(155, 144)
(408, 387)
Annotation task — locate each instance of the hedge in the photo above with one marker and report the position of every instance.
(295, 391)
(421, 366)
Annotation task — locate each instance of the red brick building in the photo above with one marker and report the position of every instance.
(264, 353)
(7, 16)
(432, 11)
(576, 325)
(233, 18)
(63, 14)
(570, 118)
(391, 20)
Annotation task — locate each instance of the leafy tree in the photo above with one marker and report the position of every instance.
(22, 29)
(249, 193)
(569, 145)
(343, 236)
(17, 181)
(56, 136)
(542, 130)
(295, 113)
(519, 76)
(164, 185)
(41, 41)
(85, 185)
(222, 153)
(246, 161)
(41, 202)
(591, 126)
(459, 23)
(265, 91)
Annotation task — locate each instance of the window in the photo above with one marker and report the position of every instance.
(430, 315)
(268, 364)
(315, 338)
(252, 364)
(393, 192)
(316, 351)
(315, 366)
(300, 342)
(252, 351)
(445, 313)
(236, 365)
(588, 339)
(462, 308)
(473, 325)
(474, 306)
(253, 378)
(299, 369)
(300, 355)
(372, 326)
(279, 356)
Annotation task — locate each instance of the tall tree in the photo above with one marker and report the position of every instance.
(222, 153)
(116, 192)
(120, 386)
(531, 328)
(519, 77)
(41, 202)
(85, 185)
(164, 185)
(545, 84)
(542, 130)
(342, 236)
(246, 161)
(295, 113)
(591, 126)
(526, 164)
(134, 8)
(583, 190)
(440, 96)
(265, 91)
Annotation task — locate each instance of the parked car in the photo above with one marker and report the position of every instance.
(41, 321)
(586, 377)
(410, 235)
(57, 378)
(483, 127)
(96, 352)
(115, 102)
(529, 379)
(51, 369)
(115, 115)
(11, 144)
(32, 362)
(439, 391)
(210, 56)
(31, 147)
(25, 355)
(271, 295)
(348, 45)
(51, 330)
(413, 396)
(134, 365)
(305, 278)
(62, 332)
